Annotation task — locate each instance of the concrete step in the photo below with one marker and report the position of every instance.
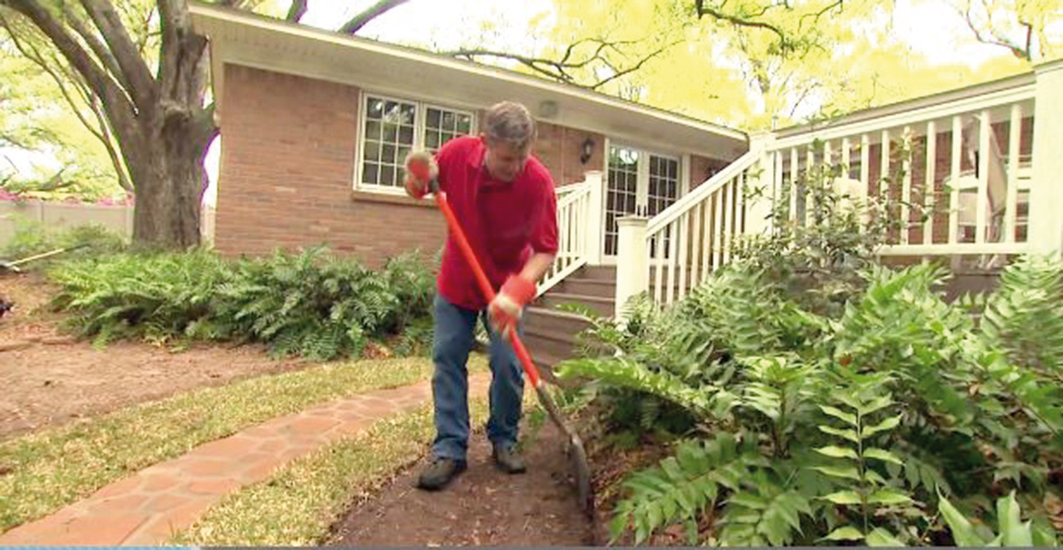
(600, 305)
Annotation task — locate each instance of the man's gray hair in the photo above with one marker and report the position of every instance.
(510, 123)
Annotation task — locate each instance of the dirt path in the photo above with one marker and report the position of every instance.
(481, 507)
(50, 379)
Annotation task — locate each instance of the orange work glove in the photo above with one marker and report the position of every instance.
(505, 310)
(420, 169)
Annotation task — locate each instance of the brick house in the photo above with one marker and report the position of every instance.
(315, 125)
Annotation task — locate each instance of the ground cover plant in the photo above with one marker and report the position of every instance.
(807, 395)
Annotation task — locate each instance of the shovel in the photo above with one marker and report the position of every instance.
(577, 452)
(14, 266)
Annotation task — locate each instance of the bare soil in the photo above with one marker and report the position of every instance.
(50, 378)
(481, 507)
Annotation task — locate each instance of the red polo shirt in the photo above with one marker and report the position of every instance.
(505, 222)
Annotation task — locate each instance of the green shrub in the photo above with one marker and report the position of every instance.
(844, 400)
(852, 425)
(310, 304)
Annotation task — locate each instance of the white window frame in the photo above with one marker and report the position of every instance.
(643, 181)
(420, 118)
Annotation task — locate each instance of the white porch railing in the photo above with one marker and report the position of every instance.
(987, 180)
(968, 189)
(694, 236)
(578, 207)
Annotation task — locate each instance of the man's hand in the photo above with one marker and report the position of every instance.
(421, 168)
(506, 309)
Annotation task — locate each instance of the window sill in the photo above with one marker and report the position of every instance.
(388, 198)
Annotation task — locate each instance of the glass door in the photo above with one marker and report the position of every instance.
(638, 183)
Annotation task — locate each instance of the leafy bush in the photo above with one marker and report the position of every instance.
(842, 428)
(846, 401)
(310, 304)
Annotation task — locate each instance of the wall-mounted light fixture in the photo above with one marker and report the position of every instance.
(586, 150)
(548, 109)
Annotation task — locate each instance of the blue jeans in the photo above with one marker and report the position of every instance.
(454, 337)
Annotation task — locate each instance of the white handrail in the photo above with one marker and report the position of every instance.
(710, 186)
(573, 211)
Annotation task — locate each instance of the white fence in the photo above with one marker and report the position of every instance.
(57, 215)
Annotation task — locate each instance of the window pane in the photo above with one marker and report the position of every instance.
(408, 113)
(369, 173)
(388, 136)
(391, 132)
(372, 129)
(443, 125)
(372, 150)
(375, 109)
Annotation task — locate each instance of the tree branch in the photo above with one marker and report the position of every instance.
(110, 64)
(358, 21)
(100, 132)
(296, 11)
(119, 109)
(994, 39)
(560, 69)
(137, 74)
(739, 20)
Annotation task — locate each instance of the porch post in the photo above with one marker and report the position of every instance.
(1046, 191)
(632, 262)
(595, 220)
(759, 208)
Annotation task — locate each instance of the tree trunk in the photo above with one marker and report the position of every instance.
(170, 178)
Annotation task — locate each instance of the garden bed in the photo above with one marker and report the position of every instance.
(51, 379)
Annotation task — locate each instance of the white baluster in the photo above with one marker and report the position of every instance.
(954, 195)
(1014, 156)
(929, 183)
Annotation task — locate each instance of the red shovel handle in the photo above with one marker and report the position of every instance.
(421, 171)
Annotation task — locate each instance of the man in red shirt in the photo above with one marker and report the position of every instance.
(504, 198)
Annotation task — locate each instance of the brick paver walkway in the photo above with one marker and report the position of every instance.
(149, 506)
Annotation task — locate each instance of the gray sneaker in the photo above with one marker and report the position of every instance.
(508, 459)
(439, 473)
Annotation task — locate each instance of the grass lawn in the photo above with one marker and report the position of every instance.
(52, 468)
(300, 502)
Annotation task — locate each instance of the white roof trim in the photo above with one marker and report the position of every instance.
(211, 19)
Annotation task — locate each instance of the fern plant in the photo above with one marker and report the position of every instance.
(1011, 530)
(860, 406)
(684, 486)
(309, 304)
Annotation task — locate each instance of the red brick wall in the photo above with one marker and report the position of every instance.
(286, 173)
(703, 168)
(559, 148)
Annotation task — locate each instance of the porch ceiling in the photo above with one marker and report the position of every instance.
(246, 39)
